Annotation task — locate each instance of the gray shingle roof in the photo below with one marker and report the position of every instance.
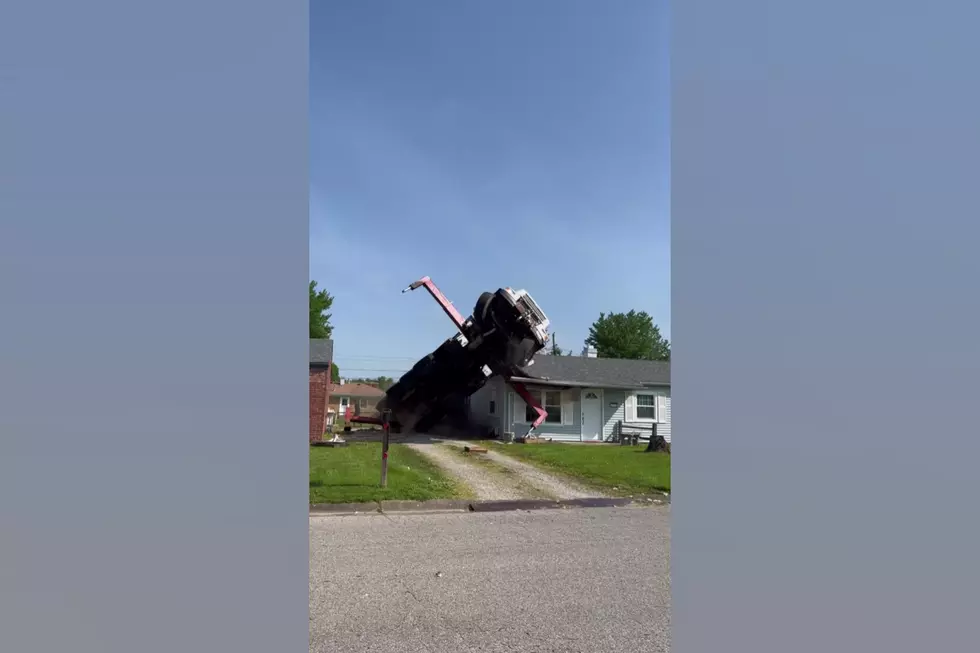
(601, 372)
(362, 390)
(321, 351)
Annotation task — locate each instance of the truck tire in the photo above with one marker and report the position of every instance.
(481, 312)
(517, 354)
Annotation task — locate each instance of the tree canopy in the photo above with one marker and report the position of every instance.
(554, 349)
(382, 382)
(628, 335)
(320, 303)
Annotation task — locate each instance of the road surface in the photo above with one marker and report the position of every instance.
(559, 581)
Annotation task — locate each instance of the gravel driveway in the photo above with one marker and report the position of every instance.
(522, 481)
(485, 484)
(556, 487)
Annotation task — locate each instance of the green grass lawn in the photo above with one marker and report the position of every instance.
(628, 469)
(352, 474)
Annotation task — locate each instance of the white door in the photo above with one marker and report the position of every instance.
(591, 414)
(344, 403)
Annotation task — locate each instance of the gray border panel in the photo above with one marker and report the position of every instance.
(153, 386)
(825, 357)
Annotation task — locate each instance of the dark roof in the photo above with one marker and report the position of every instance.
(601, 372)
(321, 351)
(356, 390)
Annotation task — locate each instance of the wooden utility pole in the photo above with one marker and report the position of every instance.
(385, 438)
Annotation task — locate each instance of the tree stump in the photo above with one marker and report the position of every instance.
(658, 443)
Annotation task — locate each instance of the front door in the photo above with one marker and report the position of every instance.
(344, 404)
(591, 414)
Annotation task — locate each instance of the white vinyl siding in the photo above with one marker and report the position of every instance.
(481, 401)
(648, 407)
(664, 427)
(614, 412)
(567, 408)
(559, 405)
(568, 429)
(618, 405)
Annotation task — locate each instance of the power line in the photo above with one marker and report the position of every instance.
(344, 370)
(379, 358)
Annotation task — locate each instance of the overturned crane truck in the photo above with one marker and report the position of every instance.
(502, 336)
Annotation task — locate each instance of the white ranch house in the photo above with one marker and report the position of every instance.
(588, 399)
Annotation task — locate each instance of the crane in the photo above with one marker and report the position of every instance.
(501, 337)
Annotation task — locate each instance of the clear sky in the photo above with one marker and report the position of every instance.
(486, 144)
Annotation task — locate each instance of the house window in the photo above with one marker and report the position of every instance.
(550, 401)
(493, 407)
(646, 407)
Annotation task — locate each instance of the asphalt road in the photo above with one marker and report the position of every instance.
(558, 581)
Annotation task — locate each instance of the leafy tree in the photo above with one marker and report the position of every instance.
(320, 303)
(628, 335)
(555, 350)
(381, 382)
(334, 373)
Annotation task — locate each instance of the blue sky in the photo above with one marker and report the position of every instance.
(486, 144)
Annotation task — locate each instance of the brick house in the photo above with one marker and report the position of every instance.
(321, 356)
(360, 397)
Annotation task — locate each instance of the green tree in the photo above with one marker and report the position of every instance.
(628, 335)
(381, 382)
(555, 350)
(320, 303)
(334, 373)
